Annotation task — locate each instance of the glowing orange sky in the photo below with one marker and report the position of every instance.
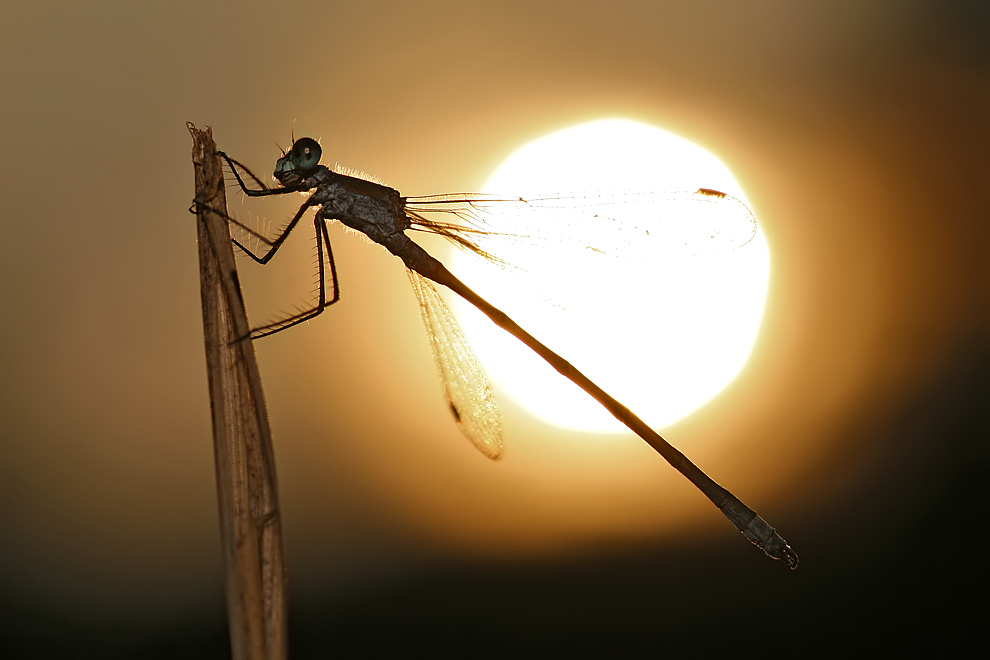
(861, 150)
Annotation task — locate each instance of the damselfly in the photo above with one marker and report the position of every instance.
(383, 215)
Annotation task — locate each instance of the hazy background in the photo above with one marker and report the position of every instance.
(859, 427)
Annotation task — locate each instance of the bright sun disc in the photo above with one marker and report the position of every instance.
(662, 332)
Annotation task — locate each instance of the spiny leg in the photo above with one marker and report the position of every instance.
(264, 191)
(273, 245)
(323, 265)
(203, 206)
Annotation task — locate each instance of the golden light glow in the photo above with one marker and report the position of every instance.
(661, 330)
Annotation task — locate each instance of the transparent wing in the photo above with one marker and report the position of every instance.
(465, 382)
(617, 224)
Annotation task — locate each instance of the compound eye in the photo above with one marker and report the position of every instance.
(305, 154)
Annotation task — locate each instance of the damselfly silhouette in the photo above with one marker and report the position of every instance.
(383, 215)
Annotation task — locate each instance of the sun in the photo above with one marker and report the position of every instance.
(663, 331)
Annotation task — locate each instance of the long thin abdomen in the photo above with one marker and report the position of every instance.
(745, 519)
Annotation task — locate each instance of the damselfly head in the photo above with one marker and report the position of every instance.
(301, 161)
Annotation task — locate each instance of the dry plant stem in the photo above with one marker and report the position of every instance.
(250, 522)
